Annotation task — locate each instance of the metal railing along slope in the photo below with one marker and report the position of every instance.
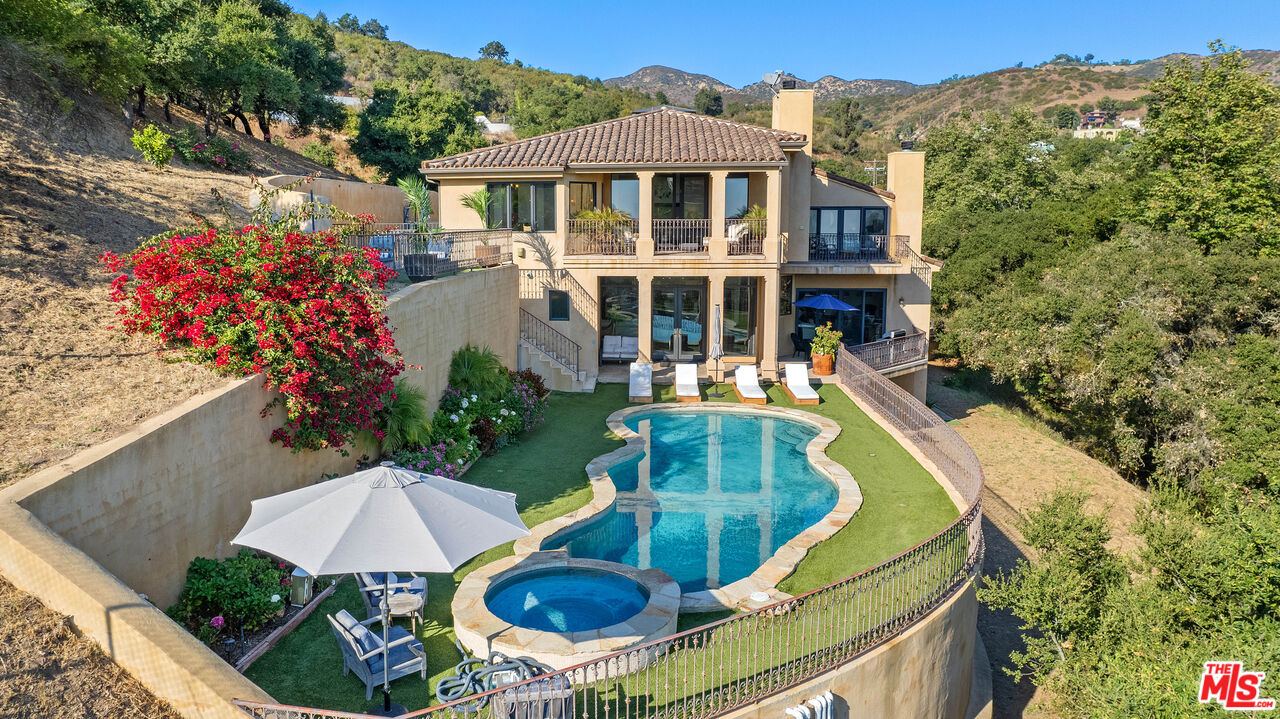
(883, 354)
(550, 341)
(714, 669)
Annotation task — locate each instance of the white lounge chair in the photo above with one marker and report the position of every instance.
(747, 385)
(641, 383)
(630, 348)
(611, 349)
(687, 383)
(797, 384)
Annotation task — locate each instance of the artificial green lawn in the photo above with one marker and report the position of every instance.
(902, 505)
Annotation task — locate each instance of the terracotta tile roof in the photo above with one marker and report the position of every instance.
(852, 183)
(650, 137)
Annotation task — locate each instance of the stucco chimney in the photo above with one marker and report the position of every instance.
(905, 179)
(793, 111)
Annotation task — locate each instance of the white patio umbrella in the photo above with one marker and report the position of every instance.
(715, 350)
(384, 519)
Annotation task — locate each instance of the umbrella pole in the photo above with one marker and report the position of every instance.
(386, 659)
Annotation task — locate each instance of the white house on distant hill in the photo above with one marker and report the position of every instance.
(490, 127)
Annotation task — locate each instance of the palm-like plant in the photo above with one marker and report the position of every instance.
(478, 371)
(405, 420)
(419, 198)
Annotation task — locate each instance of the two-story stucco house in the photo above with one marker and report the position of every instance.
(714, 224)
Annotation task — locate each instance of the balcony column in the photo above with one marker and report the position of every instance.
(718, 182)
(561, 243)
(767, 332)
(773, 225)
(644, 230)
(644, 305)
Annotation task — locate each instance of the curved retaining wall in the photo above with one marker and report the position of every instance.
(86, 535)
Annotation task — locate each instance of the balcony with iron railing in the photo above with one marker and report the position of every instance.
(422, 256)
(894, 352)
(602, 237)
(745, 236)
(671, 236)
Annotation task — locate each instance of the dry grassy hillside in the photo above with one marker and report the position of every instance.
(72, 188)
(1037, 88)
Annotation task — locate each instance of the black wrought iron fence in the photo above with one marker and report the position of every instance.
(424, 255)
(714, 669)
(550, 341)
(886, 353)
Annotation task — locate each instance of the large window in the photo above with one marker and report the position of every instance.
(681, 197)
(864, 325)
(846, 221)
(523, 205)
(620, 306)
(624, 194)
(582, 196)
(739, 331)
(736, 195)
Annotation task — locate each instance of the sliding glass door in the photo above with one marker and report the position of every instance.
(679, 316)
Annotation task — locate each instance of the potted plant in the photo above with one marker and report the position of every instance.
(479, 202)
(418, 198)
(825, 343)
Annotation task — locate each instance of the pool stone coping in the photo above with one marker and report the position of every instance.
(481, 631)
(735, 595)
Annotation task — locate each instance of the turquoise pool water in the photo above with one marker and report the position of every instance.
(713, 496)
(566, 599)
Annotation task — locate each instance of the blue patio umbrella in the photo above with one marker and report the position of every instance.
(826, 302)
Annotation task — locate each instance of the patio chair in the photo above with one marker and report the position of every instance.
(364, 654)
(797, 384)
(641, 390)
(630, 348)
(371, 587)
(747, 385)
(800, 344)
(611, 348)
(687, 383)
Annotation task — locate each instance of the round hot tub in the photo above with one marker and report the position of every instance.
(562, 611)
(566, 599)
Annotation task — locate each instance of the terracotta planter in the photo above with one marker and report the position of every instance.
(488, 255)
(824, 364)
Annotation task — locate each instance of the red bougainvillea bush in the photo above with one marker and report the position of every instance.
(303, 309)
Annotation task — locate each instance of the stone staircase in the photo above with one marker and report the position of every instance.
(555, 357)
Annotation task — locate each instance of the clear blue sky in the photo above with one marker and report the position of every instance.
(921, 42)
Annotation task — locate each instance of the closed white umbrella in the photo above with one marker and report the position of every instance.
(715, 351)
(384, 519)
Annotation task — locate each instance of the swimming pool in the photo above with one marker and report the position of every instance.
(566, 599)
(712, 496)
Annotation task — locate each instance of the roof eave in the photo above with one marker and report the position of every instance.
(491, 171)
(628, 166)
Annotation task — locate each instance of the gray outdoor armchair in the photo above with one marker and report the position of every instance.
(363, 653)
(371, 587)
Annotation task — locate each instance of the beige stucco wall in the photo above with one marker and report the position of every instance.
(384, 202)
(905, 179)
(924, 672)
(127, 516)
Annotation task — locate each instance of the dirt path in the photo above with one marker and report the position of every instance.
(1023, 465)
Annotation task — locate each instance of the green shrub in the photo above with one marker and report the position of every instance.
(826, 340)
(155, 146)
(404, 420)
(230, 594)
(478, 371)
(217, 152)
(320, 153)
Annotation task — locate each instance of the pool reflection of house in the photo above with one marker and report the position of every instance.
(715, 214)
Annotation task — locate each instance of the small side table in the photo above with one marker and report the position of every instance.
(406, 604)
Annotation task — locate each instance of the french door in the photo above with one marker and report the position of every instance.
(679, 318)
